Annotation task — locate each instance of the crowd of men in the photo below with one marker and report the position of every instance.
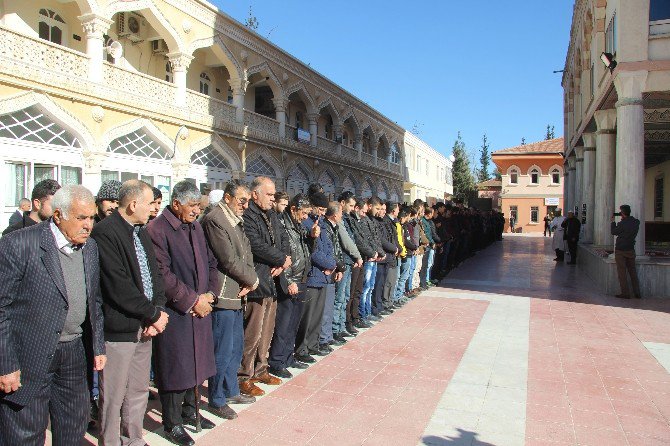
(97, 294)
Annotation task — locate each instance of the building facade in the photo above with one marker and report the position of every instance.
(617, 130)
(531, 181)
(166, 90)
(428, 172)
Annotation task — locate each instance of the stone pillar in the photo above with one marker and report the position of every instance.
(94, 27)
(337, 135)
(358, 144)
(579, 164)
(566, 187)
(180, 63)
(179, 171)
(239, 86)
(589, 183)
(629, 184)
(280, 110)
(605, 173)
(571, 185)
(312, 118)
(92, 173)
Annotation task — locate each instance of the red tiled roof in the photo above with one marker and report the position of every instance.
(490, 183)
(549, 146)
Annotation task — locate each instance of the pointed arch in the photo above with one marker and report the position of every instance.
(328, 180)
(56, 113)
(221, 148)
(383, 190)
(222, 51)
(534, 166)
(367, 188)
(300, 90)
(299, 164)
(367, 127)
(328, 105)
(155, 17)
(265, 70)
(267, 161)
(348, 183)
(140, 134)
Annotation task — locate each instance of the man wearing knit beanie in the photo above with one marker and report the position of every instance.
(107, 199)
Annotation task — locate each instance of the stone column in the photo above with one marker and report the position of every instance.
(605, 172)
(571, 185)
(337, 135)
(588, 183)
(239, 86)
(92, 173)
(312, 118)
(629, 184)
(94, 27)
(579, 164)
(358, 144)
(566, 187)
(180, 63)
(280, 110)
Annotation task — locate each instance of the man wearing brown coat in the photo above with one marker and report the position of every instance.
(224, 231)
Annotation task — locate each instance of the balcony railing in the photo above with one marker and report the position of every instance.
(261, 123)
(326, 144)
(349, 153)
(138, 85)
(206, 105)
(368, 159)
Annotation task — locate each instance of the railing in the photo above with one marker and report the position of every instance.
(367, 158)
(34, 58)
(326, 144)
(137, 84)
(349, 153)
(206, 105)
(261, 123)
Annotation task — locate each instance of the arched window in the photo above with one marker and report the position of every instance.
(395, 154)
(210, 157)
(328, 183)
(259, 167)
(348, 185)
(139, 143)
(534, 176)
(31, 124)
(298, 120)
(555, 176)
(51, 26)
(169, 77)
(514, 176)
(205, 83)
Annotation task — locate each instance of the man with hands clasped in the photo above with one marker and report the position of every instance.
(133, 304)
(50, 324)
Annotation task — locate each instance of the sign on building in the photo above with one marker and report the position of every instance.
(551, 201)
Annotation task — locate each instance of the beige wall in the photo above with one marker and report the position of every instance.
(425, 180)
(524, 206)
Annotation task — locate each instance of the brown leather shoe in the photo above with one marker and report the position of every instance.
(266, 378)
(247, 387)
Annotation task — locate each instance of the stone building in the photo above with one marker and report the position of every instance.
(428, 172)
(166, 90)
(531, 181)
(617, 130)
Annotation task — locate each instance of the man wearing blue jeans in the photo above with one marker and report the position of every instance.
(406, 262)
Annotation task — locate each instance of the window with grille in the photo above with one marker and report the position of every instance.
(70, 175)
(259, 167)
(30, 124)
(210, 157)
(658, 198)
(514, 177)
(205, 83)
(534, 176)
(138, 143)
(395, 154)
(51, 26)
(534, 214)
(611, 36)
(555, 176)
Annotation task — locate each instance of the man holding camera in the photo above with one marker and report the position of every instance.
(624, 251)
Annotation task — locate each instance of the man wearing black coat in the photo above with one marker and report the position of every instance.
(50, 324)
(365, 246)
(271, 250)
(572, 225)
(381, 233)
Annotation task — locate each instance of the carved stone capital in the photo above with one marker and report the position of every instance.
(179, 61)
(239, 85)
(94, 25)
(312, 117)
(93, 161)
(280, 104)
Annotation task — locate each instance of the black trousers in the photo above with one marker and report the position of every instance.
(63, 399)
(177, 407)
(310, 323)
(357, 282)
(289, 312)
(572, 247)
(378, 293)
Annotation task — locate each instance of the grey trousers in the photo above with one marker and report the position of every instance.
(625, 266)
(391, 283)
(124, 387)
(310, 323)
(326, 334)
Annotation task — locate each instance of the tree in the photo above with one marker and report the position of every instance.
(251, 22)
(496, 174)
(550, 132)
(523, 141)
(464, 184)
(484, 161)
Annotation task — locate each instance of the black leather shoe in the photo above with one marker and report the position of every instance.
(325, 347)
(226, 412)
(339, 337)
(204, 422)
(361, 324)
(307, 359)
(178, 435)
(241, 399)
(319, 352)
(281, 373)
(375, 318)
(345, 334)
(352, 330)
(386, 312)
(299, 365)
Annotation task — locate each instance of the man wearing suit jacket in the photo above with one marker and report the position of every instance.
(134, 299)
(50, 324)
(17, 216)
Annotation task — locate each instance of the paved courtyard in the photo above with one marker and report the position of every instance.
(511, 349)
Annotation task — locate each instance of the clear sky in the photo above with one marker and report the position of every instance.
(474, 66)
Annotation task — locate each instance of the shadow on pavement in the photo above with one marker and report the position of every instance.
(465, 438)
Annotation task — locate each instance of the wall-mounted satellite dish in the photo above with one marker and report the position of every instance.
(115, 49)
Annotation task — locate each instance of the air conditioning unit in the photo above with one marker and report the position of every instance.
(159, 46)
(131, 26)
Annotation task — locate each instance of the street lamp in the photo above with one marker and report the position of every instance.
(608, 61)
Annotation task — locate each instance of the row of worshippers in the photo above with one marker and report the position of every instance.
(317, 270)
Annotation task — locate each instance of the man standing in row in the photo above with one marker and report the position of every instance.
(269, 245)
(17, 215)
(50, 324)
(42, 210)
(224, 231)
(184, 357)
(571, 226)
(134, 299)
(107, 200)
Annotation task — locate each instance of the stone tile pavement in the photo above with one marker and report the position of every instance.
(511, 349)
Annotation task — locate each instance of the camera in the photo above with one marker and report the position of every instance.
(616, 214)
